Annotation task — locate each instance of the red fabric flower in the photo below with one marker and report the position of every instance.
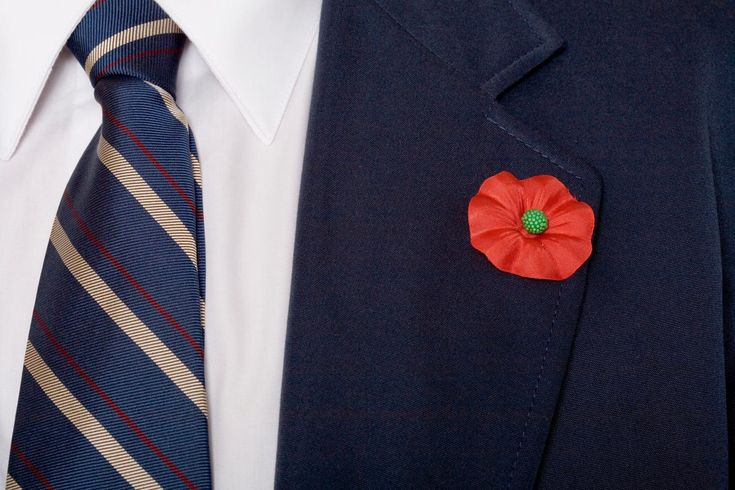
(532, 227)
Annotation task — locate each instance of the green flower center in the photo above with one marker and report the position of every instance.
(535, 221)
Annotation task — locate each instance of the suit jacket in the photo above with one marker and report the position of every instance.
(412, 362)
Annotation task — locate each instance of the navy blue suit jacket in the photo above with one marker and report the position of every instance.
(412, 362)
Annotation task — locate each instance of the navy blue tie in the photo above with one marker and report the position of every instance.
(112, 394)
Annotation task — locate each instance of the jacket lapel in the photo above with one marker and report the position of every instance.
(410, 360)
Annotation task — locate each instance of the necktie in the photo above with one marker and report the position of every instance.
(112, 393)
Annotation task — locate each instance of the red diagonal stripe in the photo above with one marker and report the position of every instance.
(97, 4)
(31, 467)
(154, 161)
(106, 398)
(142, 54)
(129, 277)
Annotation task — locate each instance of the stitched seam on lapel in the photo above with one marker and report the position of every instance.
(541, 44)
(486, 85)
(542, 364)
(542, 368)
(552, 160)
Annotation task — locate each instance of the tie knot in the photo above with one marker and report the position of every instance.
(133, 38)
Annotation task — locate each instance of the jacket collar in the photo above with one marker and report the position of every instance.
(491, 44)
(255, 48)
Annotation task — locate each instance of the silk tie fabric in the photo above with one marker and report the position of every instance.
(112, 394)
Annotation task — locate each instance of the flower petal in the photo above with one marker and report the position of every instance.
(496, 242)
(486, 213)
(506, 190)
(574, 219)
(567, 252)
(544, 192)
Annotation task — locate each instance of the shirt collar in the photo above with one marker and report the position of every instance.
(255, 48)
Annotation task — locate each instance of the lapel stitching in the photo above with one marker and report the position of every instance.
(541, 369)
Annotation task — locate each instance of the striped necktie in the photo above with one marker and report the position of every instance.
(112, 393)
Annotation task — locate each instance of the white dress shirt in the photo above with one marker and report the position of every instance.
(245, 84)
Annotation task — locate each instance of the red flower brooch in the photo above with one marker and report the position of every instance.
(532, 227)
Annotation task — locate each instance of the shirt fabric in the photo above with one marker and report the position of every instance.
(245, 85)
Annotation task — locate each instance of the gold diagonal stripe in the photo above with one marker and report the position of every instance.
(11, 484)
(86, 423)
(135, 33)
(147, 197)
(201, 311)
(170, 104)
(197, 170)
(128, 322)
